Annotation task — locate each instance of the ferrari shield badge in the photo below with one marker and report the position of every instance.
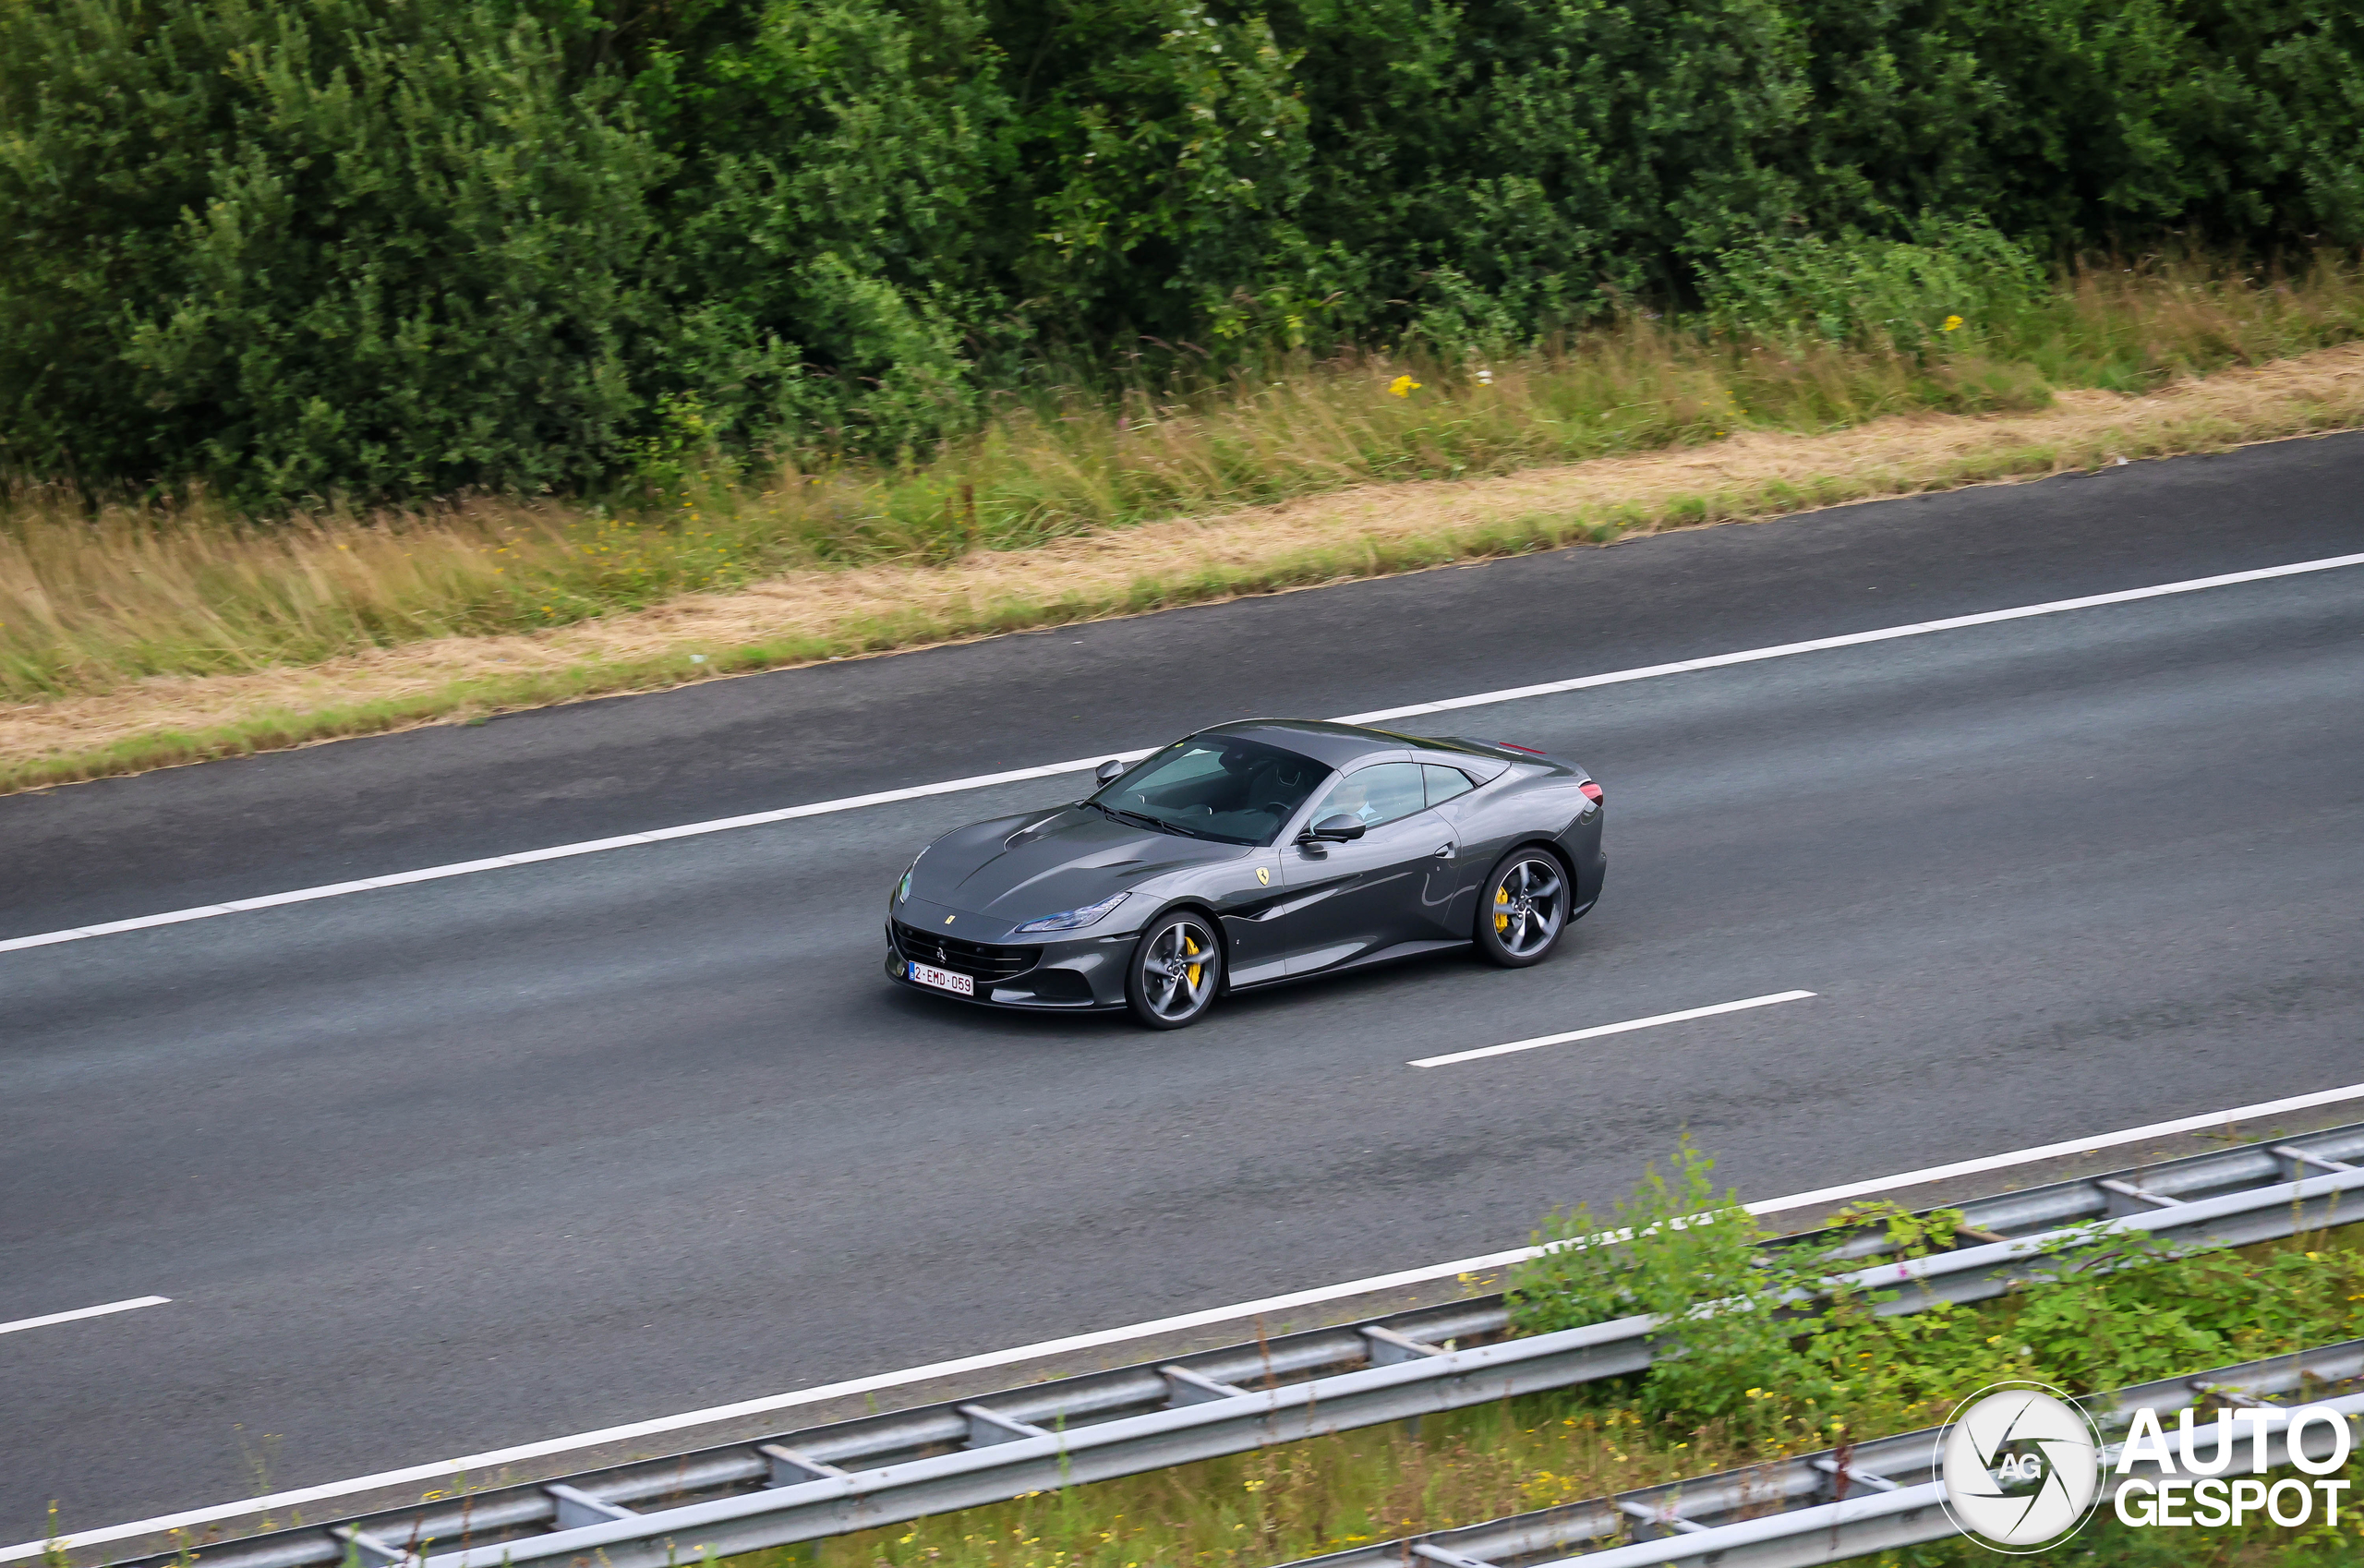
(1263, 876)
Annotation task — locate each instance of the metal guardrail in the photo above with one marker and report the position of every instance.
(882, 1470)
(1872, 1496)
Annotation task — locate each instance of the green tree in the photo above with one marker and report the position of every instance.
(400, 248)
(301, 248)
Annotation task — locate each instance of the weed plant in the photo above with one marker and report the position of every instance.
(93, 597)
(2109, 1313)
(1749, 1386)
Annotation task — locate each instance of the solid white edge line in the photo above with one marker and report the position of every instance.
(1049, 770)
(80, 1313)
(1854, 639)
(1597, 1030)
(445, 1469)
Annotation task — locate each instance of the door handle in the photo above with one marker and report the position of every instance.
(1444, 850)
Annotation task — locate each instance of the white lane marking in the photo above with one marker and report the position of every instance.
(564, 851)
(1852, 639)
(1597, 1030)
(78, 1312)
(1049, 770)
(480, 1465)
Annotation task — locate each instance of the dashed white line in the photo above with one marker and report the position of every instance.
(80, 1313)
(1597, 1030)
(1081, 764)
(483, 1464)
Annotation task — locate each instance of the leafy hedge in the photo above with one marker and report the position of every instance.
(394, 247)
(2114, 1311)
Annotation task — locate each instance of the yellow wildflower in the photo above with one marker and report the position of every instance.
(1402, 386)
(1951, 323)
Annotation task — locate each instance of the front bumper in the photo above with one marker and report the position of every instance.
(1081, 973)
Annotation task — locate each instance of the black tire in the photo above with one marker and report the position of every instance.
(1523, 907)
(1175, 970)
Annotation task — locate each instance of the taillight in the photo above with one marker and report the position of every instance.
(1514, 746)
(1592, 791)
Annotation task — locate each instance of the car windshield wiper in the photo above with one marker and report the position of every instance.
(1159, 823)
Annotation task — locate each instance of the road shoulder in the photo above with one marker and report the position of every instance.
(812, 617)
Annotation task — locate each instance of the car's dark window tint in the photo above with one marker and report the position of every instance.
(1383, 793)
(1217, 786)
(1444, 783)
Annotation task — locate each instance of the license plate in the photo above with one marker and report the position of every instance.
(944, 980)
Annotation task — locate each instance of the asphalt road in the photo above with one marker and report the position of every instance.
(480, 1161)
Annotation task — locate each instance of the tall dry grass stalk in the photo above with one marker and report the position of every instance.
(90, 600)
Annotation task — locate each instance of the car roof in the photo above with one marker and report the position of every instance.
(1336, 745)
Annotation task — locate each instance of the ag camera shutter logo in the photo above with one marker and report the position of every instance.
(2022, 1466)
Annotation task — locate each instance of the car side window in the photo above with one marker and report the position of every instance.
(1383, 793)
(1444, 783)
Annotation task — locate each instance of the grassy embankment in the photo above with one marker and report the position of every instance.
(137, 638)
(1749, 1394)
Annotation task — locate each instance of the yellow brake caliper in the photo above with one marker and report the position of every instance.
(1501, 898)
(1190, 946)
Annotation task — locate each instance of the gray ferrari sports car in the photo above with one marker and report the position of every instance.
(1249, 854)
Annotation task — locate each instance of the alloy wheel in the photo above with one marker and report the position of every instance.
(1531, 901)
(1178, 971)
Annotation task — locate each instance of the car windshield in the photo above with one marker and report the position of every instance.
(1217, 786)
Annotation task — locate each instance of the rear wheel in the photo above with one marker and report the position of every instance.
(1524, 908)
(1176, 967)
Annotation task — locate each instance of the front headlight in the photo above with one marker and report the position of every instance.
(1075, 920)
(903, 889)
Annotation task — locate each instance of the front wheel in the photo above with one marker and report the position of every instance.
(1524, 908)
(1176, 967)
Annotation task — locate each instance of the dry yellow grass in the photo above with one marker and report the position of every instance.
(806, 615)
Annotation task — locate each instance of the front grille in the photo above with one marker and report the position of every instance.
(980, 960)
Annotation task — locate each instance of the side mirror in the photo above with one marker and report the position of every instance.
(1340, 829)
(1107, 772)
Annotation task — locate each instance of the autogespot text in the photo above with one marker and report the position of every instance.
(2188, 1492)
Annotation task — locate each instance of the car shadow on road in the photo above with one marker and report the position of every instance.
(1316, 998)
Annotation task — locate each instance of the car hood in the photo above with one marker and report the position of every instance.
(1022, 868)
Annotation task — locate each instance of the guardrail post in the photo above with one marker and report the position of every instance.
(790, 1467)
(372, 1551)
(577, 1508)
(1189, 1388)
(988, 1426)
(1389, 1348)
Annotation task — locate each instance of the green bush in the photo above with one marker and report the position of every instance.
(1758, 1342)
(298, 249)
(1907, 294)
(306, 248)
(1680, 1251)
